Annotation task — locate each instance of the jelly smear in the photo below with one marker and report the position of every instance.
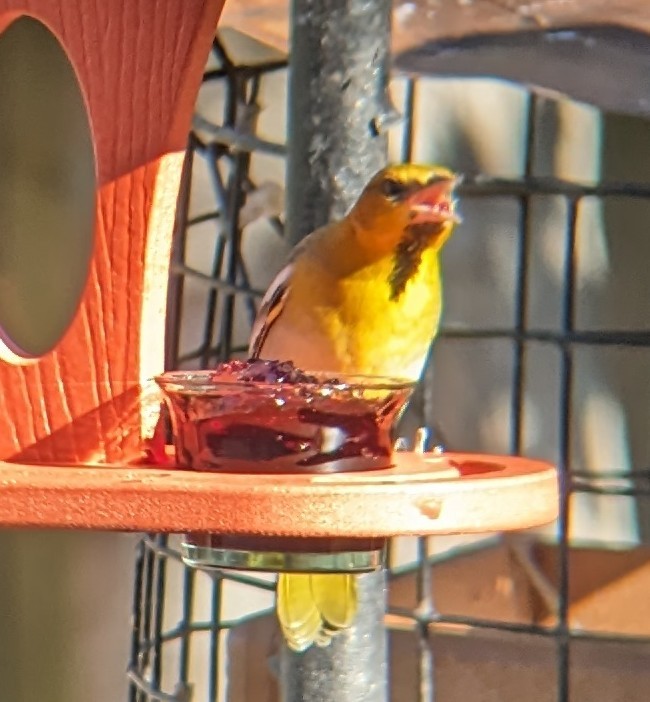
(269, 417)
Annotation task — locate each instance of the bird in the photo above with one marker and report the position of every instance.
(362, 295)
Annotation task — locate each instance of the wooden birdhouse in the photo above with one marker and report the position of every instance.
(84, 263)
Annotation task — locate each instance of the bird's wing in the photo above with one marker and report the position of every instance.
(275, 297)
(270, 309)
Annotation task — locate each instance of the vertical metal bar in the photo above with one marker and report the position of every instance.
(337, 114)
(217, 260)
(425, 611)
(232, 83)
(234, 94)
(189, 575)
(406, 150)
(236, 200)
(176, 282)
(158, 614)
(338, 107)
(245, 281)
(566, 383)
(417, 404)
(353, 667)
(215, 631)
(521, 294)
(136, 621)
(147, 607)
(424, 583)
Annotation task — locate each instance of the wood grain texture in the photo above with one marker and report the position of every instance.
(459, 493)
(139, 65)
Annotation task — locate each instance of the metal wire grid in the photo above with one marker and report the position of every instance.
(228, 151)
(231, 144)
(614, 482)
(149, 637)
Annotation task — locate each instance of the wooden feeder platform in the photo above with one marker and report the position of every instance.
(421, 494)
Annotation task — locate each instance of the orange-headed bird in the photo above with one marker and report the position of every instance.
(360, 296)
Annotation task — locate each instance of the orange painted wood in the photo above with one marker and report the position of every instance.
(139, 65)
(422, 494)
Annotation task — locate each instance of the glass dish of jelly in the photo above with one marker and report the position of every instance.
(270, 417)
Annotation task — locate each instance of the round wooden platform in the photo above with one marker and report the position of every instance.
(422, 494)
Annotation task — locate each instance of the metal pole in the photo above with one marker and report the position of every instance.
(353, 667)
(337, 116)
(338, 106)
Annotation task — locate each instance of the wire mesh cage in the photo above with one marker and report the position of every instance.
(564, 323)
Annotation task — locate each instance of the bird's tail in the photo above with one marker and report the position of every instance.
(314, 607)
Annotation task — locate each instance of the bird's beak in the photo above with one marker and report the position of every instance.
(435, 202)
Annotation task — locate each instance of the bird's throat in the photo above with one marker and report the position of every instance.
(408, 254)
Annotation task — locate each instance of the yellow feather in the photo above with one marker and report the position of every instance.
(346, 324)
(314, 607)
(340, 313)
(299, 617)
(335, 596)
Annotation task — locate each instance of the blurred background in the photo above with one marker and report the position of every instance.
(80, 583)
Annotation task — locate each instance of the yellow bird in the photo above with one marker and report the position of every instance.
(362, 295)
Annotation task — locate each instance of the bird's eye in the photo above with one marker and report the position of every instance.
(392, 189)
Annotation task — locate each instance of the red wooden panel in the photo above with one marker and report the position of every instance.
(139, 65)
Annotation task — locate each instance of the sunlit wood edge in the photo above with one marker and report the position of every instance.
(523, 494)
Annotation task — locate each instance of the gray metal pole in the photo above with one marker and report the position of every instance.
(338, 113)
(338, 106)
(353, 668)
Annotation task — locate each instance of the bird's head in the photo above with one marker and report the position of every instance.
(403, 211)
(402, 200)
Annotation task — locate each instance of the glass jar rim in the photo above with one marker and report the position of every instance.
(200, 381)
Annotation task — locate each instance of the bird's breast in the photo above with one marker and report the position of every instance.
(392, 336)
(349, 324)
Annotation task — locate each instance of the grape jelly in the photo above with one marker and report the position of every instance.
(270, 417)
